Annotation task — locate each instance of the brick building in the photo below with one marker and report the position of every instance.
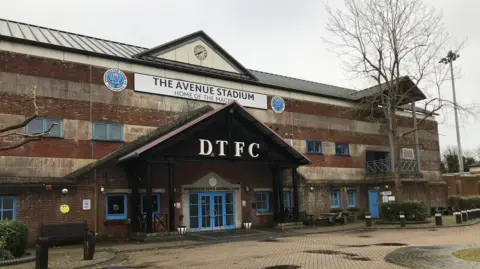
(186, 128)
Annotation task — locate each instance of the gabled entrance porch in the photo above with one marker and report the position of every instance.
(204, 175)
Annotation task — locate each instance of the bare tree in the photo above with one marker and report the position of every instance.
(10, 138)
(395, 45)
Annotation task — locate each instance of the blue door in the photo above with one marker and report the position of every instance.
(211, 211)
(373, 202)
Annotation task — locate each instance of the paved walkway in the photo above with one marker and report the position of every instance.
(308, 247)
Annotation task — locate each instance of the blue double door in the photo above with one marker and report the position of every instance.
(211, 211)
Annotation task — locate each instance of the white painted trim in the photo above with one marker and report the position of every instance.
(136, 68)
(262, 189)
(110, 191)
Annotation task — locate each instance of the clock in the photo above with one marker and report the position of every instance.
(200, 52)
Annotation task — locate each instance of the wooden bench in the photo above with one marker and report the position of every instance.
(63, 234)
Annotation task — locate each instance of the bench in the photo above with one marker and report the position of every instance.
(63, 234)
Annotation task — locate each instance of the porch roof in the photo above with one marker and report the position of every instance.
(234, 107)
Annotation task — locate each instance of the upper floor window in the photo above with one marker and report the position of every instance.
(42, 125)
(7, 207)
(107, 131)
(314, 147)
(342, 149)
(287, 201)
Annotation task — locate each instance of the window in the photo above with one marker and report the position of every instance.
(287, 202)
(261, 202)
(335, 199)
(155, 203)
(116, 206)
(107, 131)
(7, 207)
(314, 147)
(342, 149)
(41, 125)
(352, 198)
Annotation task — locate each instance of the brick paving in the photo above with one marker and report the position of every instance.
(334, 250)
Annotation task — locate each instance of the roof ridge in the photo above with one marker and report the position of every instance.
(77, 34)
(310, 81)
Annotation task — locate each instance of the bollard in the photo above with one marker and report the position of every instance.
(458, 217)
(402, 219)
(438, 219)
(368, 219)
(89, 245)
(469, 214)
(464, 216)
(41, 258)
(345, 219)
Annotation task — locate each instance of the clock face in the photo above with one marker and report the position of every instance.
(200, 52)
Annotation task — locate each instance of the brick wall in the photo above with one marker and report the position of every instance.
(462, 185)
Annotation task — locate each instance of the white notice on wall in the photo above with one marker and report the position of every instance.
(86, 204)
(385, 199)
(197, 91)
(391, 198)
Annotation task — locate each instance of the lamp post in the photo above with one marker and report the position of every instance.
(452, 56)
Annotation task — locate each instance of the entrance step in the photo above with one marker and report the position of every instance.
(289, 225)
(150, 237)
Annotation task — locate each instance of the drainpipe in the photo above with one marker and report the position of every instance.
(415, 134)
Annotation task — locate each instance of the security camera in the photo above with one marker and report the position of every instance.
(64, 191)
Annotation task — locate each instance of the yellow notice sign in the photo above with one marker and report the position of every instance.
(64, 209)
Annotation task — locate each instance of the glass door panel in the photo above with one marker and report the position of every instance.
(206, 211)
(218, 217)
(229, 210)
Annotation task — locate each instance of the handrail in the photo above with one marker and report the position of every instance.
(383, 166)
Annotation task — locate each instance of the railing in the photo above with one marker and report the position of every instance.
(383, 166)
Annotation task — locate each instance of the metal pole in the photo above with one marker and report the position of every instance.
(415, 134)
(459, 145)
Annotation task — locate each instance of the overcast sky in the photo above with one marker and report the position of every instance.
(277, 36)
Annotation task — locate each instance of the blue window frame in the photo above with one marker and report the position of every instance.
(116, 206)
(107, 131)
(352, 198)
(41, 125)
(287, 201)
(262, 201)
(314, 147)
(342, 149)
(335, 199)
(8, 206)
(155, 203)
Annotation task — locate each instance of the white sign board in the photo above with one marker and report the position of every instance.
(197, 91)
(386, 193)
(385, 199)
(391, 198)
(86, 204)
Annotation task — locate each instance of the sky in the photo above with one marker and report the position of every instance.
(278, 36)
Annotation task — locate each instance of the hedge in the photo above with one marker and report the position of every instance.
(412, 209)
(13, 237)
(465, 202)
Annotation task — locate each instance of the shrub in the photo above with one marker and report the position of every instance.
(14, 234)
(465, 202)
(412, 209)
(4, 253)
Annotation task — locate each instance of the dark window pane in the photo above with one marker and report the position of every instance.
(194, 210)
(55, 132)
(230, 220)
(229, 198)
(7, 204)
(193, 199)
(193, 222)
(116, 205)
(155, 208)
(100, 131)
(229, 208)
(35, 126)
(115, 132)
(7, 215)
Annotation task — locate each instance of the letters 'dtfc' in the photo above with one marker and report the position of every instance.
(206, 148)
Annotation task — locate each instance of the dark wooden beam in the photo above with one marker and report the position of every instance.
(147, 206)
(174, 159)
(171, 198)
(296, 207)
(281, 206)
